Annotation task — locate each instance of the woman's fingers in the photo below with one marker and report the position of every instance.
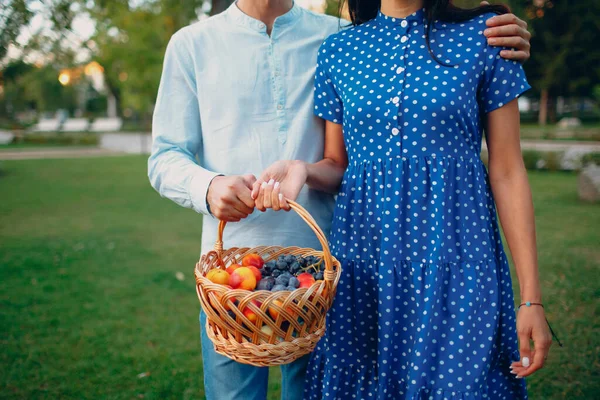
(275, 196)
(256, 189)
(283, 203)
(542, 347)
(267, 192)
(260, 198)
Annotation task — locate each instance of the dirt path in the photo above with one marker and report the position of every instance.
(56, 152)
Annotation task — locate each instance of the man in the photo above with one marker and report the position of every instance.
(236, 96)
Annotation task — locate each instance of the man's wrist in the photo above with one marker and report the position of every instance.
(207, 191)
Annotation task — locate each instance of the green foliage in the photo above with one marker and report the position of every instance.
(531, 158)
(14, 14)
(591, 158)
(27, 86)
(89, 297)
(61, 139)
(565, 52)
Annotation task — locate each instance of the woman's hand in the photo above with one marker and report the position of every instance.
(282, 180)
(508, 30)
(531, 325)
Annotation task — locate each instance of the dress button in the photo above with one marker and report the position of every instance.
(395, 100)
(395, 131)
(404, 39)
(404, 24)
(400, 70)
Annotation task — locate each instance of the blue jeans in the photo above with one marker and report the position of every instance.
(225, 379)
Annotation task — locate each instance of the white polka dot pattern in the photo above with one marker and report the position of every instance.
(424, 308)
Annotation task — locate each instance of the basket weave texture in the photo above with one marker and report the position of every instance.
(289, 323)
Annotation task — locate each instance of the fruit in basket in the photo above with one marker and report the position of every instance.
(282, 265)
(243, 278)
(256, 272)
(248, 313)
(278, 288)
(232, 268)
(282, 279)
(254, 260)
(274, 313)
(218, 276)
(294, 282)
(266, 283)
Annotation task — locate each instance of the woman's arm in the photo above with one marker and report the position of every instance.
(284, 179)
(508, 179)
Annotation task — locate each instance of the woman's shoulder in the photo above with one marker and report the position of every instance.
(473, 27)
(346, 36)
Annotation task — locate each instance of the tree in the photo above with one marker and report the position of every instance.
(565, 59)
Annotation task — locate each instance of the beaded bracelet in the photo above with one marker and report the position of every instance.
(529, 304)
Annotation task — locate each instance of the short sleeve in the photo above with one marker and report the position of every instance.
(502, 81)
(328, 104)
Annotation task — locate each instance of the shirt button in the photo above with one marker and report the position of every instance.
(262, 26)
(276, 73)
(404, 39)
(395, 100)
(404, 24)
(400, 70)
(280, 107)
(395, 131)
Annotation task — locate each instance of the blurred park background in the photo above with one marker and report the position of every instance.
(97, 294)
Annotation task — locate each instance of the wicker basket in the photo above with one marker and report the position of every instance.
(295, 319)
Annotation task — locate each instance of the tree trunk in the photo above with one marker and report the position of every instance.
(218, 6)
(543, 115)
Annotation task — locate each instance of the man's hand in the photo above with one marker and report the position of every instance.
(229, 197)
(508, 30)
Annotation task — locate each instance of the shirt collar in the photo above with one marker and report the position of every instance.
(418, 17)
(237, 16)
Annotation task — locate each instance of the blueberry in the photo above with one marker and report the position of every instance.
(282, 280)
(266, 283)
(290, 288)
(295, 267)
(319, 276)
(290, 259)
(271, 264)
(282, 265)
(294, 282)
(276, 273)
(278, 288)
(287, 273)
(302, 261)
(231, 314)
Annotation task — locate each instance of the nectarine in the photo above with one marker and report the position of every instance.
(243, 278)
(253, 260)
(218, 276)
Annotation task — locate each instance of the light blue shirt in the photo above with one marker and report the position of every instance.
(232, 101)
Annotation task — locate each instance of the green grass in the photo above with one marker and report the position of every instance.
(89, 298)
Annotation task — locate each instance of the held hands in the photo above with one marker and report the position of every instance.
(531, 325)
(229, 197)
(508, 30)
(283, 179)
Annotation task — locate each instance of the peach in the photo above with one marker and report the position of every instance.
(218, 276)
(256, 272)
(232, 268)
(274, 313)
(253, 260)
(248, 313)
(243, 278)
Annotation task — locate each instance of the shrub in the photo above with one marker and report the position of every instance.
(531, 158)
(84, 139)
(590, 158)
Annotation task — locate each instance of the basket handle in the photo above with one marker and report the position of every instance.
(329, 274)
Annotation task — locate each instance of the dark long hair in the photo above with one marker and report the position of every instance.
(443, 10)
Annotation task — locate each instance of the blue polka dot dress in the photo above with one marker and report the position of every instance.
(424, 308)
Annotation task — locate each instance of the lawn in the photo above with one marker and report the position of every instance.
(91, 305)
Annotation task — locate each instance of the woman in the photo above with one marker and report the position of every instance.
(424, 309)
